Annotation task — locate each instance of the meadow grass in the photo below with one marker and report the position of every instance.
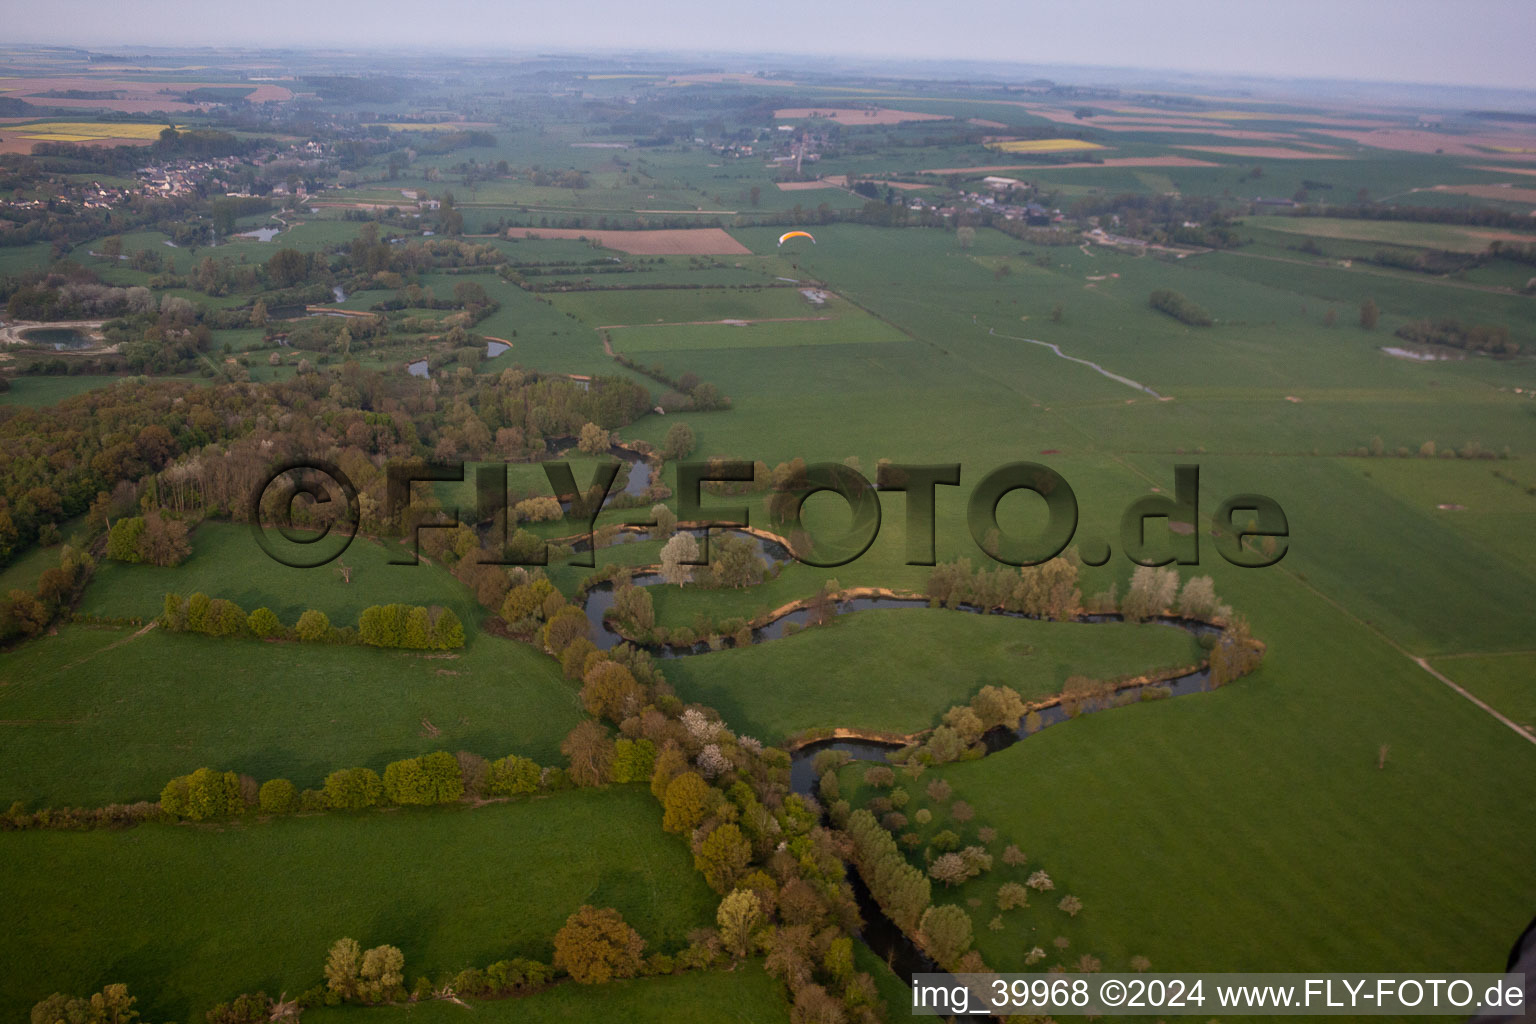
(257, 904)
(1448, 237)
(899, 670)
(742, 995)
(1506, 681)
(228, 562)
(36, 392)
(95, 715)
(1186, 825)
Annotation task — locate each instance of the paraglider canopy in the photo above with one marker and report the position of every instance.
(786, 236)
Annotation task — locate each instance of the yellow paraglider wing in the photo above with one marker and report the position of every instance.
(786, 236)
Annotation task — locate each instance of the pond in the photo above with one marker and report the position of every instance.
(418, 368)
(495, 348)
(262, 234)
(60, 339)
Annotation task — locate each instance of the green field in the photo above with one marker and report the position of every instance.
(94, 716)
(900, 670)
(1339, 809)
(228, 562)
(745, 995)
(1447, 237)
(1264, 795)
(41, 391)
(1507, 681)
(256, 905)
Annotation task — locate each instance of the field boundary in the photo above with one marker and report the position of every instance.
(1448, 681)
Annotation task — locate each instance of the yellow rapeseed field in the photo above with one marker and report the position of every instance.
(70, 131)
(1043, 145)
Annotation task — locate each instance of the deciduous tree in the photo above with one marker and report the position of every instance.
(596, 946)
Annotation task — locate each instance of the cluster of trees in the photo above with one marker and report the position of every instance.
(1162, 219)
(65, 458)
(903, 891)
(374, 976)
(594, 946)
(435, 778)
(1235, 654)
(1156, 591)
(413, 627)
(153, 537)
(959, 735)
(1428, 261)
(731, 798)
(410, 626)
(688, 393)
(1430, 450)
(1481, 216)
(69, 291)
(1046, 591)
(27, 613)
(78, 819)
(1492, 339)
(112, 1005)
(733, 562)
(955, 852)
(1180, 308)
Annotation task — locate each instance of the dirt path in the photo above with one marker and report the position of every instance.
(1424, 664)
(110, 647)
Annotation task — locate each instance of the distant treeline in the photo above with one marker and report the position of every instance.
(1480, 216)
(1492, 339)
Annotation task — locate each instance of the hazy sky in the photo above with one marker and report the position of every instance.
(1473, 42)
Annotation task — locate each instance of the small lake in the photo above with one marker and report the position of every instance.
(262, 234)
(495, 348)
(418, 368)
(60, 339)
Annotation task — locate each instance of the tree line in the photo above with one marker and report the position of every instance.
(411, 627)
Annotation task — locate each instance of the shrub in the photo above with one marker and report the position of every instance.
(430, 779)
(264, 623)
(202, 795)
(123, 539)
(277, 796)
(945, 932)
(313, 626)
(564, 628)
(633, 760)
(352, 789)
(513, 775)
(595, 946)
(1011, 896)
